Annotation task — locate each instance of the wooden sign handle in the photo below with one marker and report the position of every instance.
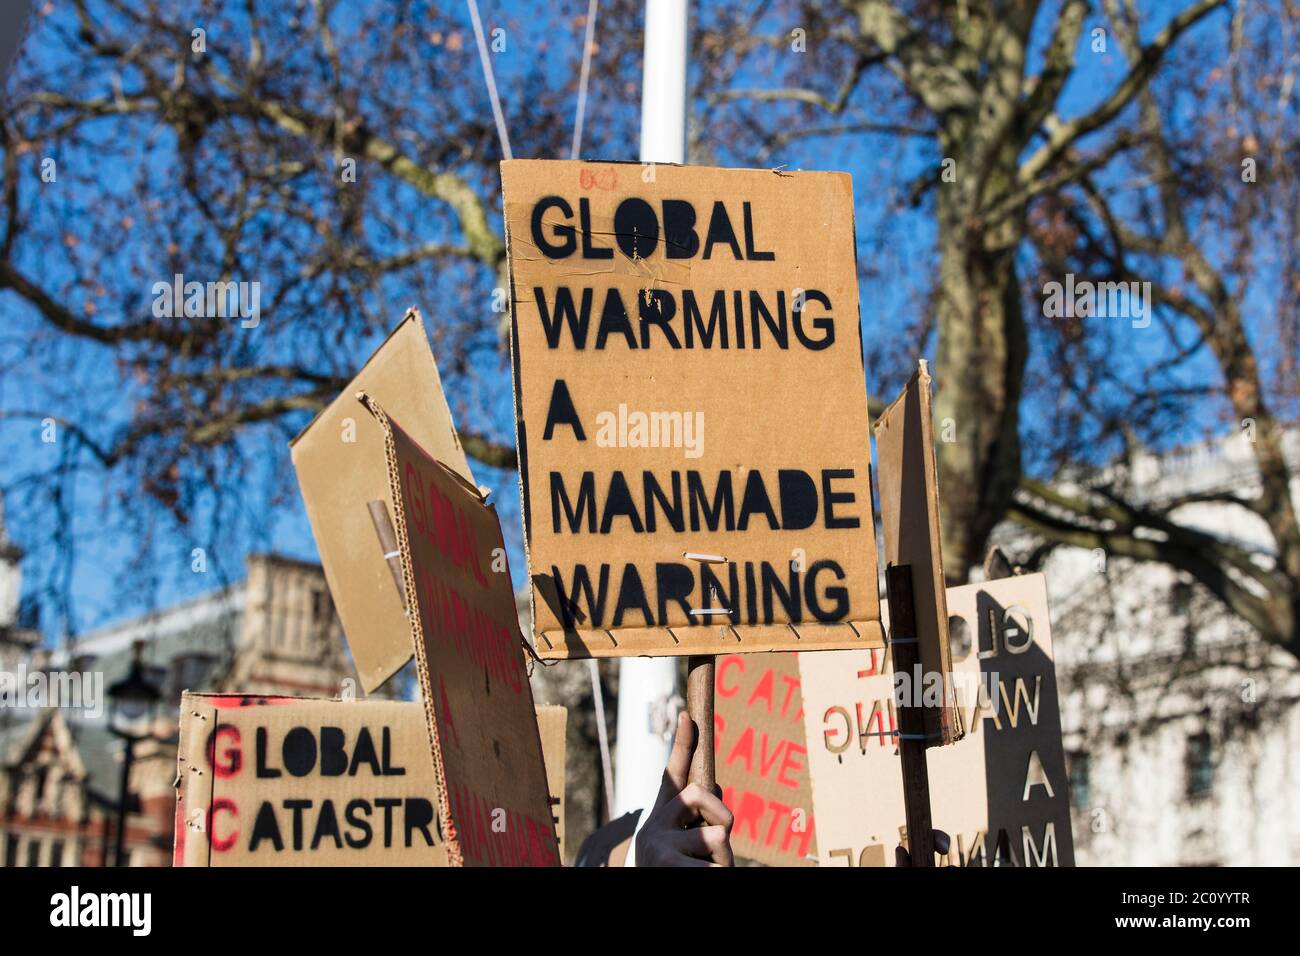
(699, 704)
(906, 654)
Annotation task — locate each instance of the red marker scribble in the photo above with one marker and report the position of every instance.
(599, 178)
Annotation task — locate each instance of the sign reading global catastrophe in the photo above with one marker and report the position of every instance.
(691, 409)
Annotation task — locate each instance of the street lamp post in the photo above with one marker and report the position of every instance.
(131, 705)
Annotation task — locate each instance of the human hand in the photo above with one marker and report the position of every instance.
(687, 826)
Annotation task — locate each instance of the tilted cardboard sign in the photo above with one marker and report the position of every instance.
(691, 409)
(1001, 793)
(762, 758)
(339, 459)
(469, 654)
(275, 781)
(909, 519)
(278, 781)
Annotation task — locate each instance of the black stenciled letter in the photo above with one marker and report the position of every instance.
(565, 231)
(561, 412)
(636, 228)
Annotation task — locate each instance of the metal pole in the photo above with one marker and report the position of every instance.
(123, 796)
(647, 684)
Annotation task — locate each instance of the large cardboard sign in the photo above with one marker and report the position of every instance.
(469, 653)
(249, 794)
(1002, 792)
(761, 758)
(691, 409)
(278, 781)
(339, 459)
(909, 518)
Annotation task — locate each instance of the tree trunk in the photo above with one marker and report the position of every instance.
(982, 351)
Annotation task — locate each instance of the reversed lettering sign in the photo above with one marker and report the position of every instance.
(691, 410)
(1001, 792)
(487, 752)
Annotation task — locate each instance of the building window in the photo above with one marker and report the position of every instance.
(11, 849)
(1200, 766)
(1079, 782)
(320, 606)
(33, 852)
(56, 853)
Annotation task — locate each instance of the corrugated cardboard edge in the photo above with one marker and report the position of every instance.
(194, 784)
(398, 517)
(521, 433)
(713, 639)
(946, 722)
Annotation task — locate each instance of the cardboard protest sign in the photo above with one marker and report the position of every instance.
(488, 766)
(248, 793)
(1001, 792)
(909, 518)
(762, 758)
(339, 459)
(553, 724)
(277, 781)
(691, 409)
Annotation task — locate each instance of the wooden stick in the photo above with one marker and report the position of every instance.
(388, 541)
(699, 704)
(911, 719)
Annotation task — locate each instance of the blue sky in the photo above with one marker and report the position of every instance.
(113, 578)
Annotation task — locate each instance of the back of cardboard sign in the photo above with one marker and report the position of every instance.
(489, 770)
(909, 516)
(1001, 793)
(339, 459)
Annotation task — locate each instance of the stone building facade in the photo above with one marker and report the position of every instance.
(1181, 726)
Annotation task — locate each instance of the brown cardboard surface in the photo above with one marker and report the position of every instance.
(488, 765)
(552, 724)
(339, 460)
(1001, 793)
(615, 427)
(278, 781)
(762, 758)
(909, 520)
(220, 768)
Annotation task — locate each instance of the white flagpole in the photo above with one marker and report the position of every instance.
(647, 685)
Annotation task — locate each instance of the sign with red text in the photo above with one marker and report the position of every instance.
(279, 781)
(1001, 792)
(691, 409)
(275, 781)
(488, 765)
(761, 759)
